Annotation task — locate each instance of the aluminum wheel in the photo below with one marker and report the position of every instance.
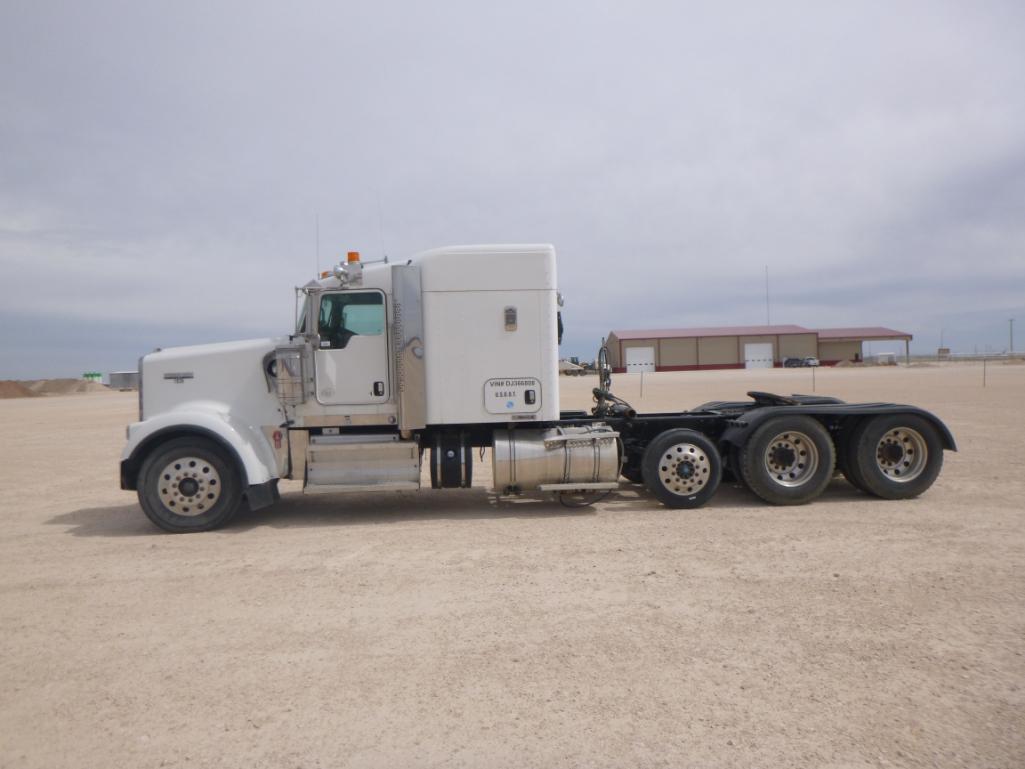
(684, 468)
(189, 486)
(791, 459)
(902, 454)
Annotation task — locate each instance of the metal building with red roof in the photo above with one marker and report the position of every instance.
(731, 347)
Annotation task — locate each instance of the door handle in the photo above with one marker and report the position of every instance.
(378, 388)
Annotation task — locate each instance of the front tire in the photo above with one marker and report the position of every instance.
(896, 457)
(682, 468)
(189, 484)
(789, 460)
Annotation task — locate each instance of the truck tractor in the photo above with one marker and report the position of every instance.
(454, 351)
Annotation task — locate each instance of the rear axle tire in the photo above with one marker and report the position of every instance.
(845, 458)
(682, 468)
(896, 456)
(732, 464)
(189, 484)
(789, 460)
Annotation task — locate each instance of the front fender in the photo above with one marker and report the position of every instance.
(255, 456)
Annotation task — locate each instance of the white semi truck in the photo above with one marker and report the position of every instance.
(391, 365)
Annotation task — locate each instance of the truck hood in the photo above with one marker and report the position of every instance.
(217, 348)
(215, 377)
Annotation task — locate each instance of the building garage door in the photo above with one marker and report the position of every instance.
(640, 359)
(758, 355)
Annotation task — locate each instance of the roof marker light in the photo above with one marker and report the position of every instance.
(353, 256)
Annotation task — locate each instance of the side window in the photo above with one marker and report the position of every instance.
(345, 315)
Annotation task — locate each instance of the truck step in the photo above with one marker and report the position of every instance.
(599, 486)
(340, 463)
(351, 488)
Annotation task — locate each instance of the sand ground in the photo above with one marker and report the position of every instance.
(453, 629)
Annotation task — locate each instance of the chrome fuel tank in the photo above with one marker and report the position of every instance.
(527, 460)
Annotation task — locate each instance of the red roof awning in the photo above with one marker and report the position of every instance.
(861, 333)
(676, 333)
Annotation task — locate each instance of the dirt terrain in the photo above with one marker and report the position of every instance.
(33, 387)
(9, 389)
(456, 629)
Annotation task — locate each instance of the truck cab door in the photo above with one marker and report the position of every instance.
(351, 363)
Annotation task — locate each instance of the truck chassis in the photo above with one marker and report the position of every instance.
(784, 449)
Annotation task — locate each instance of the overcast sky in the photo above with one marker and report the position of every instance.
(162, 165)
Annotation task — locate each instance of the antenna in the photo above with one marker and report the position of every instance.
(316, 257)
(380, 227)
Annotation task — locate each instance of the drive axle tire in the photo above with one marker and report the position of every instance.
(189, 484)
(845, 462)
(733, 466)
(849, 468)
(789, 460)
(896, 456)
(682, 468)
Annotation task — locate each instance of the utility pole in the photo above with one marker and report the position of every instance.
(767, 321)
(1010, 322)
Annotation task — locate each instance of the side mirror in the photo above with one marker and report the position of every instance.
(604, 368)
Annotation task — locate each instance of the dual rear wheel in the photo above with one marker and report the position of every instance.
(789, 460)
(893, 456)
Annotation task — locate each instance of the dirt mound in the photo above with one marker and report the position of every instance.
(64, 386)
(9, 389)
(30, 388)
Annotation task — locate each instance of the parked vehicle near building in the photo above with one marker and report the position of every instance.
(810, 360)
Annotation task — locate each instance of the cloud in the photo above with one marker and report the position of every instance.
(163, 168)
